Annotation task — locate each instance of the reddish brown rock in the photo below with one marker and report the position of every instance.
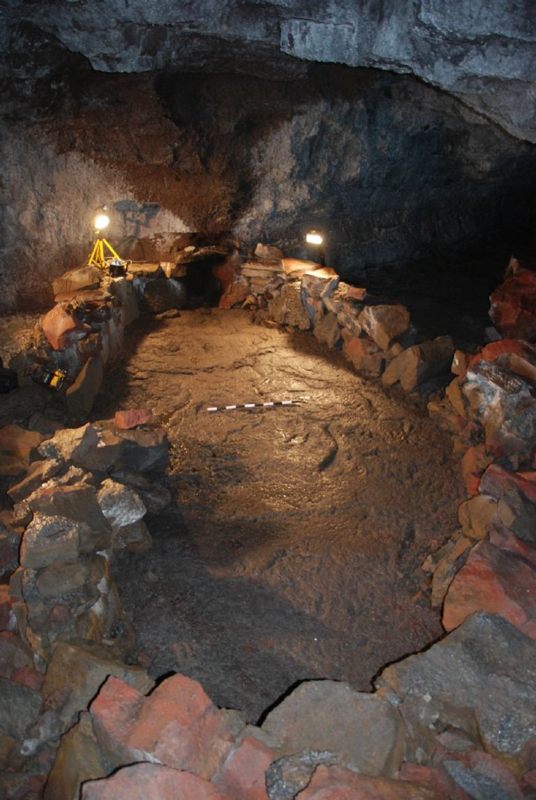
(363, 354)
(337, 783)
(419, 363)
(150, 782)
(178, 725)
(114, 712)
(513, 306)
(57, 326)
(497, 581)
(132, 417)
(433, 777)
(242, 776)
(235, 293)
(384, 323)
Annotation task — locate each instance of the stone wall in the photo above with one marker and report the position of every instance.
(427, 732)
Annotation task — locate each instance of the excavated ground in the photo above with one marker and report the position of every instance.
(295, 545)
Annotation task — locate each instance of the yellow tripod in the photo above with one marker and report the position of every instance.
(96, 258)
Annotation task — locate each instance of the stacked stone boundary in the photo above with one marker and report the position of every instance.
(91, 725)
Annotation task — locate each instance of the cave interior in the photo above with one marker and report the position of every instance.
(293, 545)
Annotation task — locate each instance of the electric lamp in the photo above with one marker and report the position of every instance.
(97, 257)
(314, 237)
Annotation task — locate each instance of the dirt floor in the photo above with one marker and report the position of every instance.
(294, 547)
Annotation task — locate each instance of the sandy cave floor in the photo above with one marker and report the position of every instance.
(294, 547)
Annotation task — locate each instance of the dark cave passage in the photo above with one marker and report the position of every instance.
(294, 546)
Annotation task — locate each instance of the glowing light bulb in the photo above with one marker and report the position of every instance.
(314, 237)
(102, 221)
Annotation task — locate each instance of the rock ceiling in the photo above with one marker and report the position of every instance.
(481, 51)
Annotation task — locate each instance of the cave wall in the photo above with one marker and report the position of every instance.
(392, 168)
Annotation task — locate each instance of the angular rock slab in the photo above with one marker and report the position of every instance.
(480, 680)
(497, 581)
(151, 782)
(384, 323)
(365, 731)
(177, 725)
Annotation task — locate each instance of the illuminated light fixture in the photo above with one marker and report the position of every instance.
(97, 257)
(314, 237)
(102, 221)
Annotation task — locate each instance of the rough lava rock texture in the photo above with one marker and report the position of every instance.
(482, 52)
(262, 120)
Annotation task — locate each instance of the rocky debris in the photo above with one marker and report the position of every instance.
(513, 306)
(58, 326)
(176, 725)
(420, 363)
(9, 550)
(515, 494)
(75, 673)
(120, 505)
(320, 282)
(18, 447)
(154, 495)
(145, 269)
(125, 294)
(78, 502)
(162, 294)
(152, 782)
(481, 775)
(478, 516)
(320, 716)
(82, 392)
(287, 308)
(337, 783)
(144, 450)
(268, 252)
(327, 330)
(384, 324)
(236, 293)
(76, 279)
(335, 299)
(363, 353)
(38, 473)
(449, 687)
(242, 775)
(78, 759)
(498, 581)
(505, 405)
(289, 775)
(88, 447)
(49, 539)
(475, 460)
(444, 564)
(131, 418)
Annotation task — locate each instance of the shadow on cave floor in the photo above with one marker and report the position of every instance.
(294, 545)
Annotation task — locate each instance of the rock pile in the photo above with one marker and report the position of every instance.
(456, 722)
(81, 501)
(428, 732)
(377, 338)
